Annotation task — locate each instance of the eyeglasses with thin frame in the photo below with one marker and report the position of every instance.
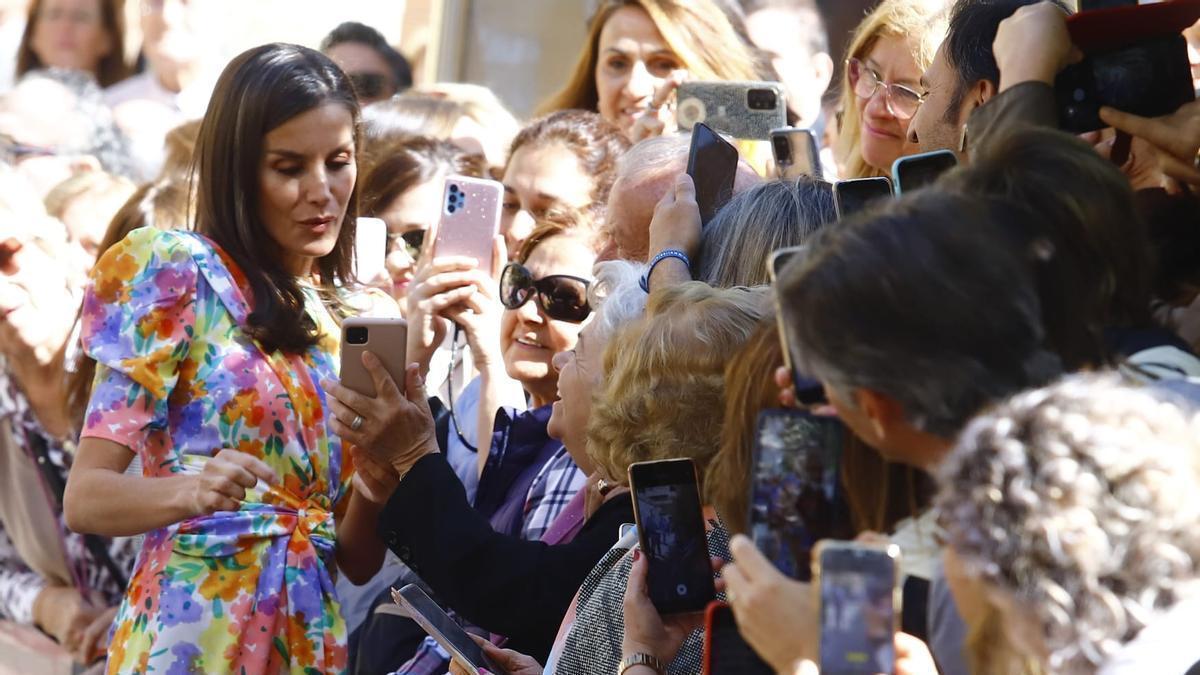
(901, 101)
(561, 296)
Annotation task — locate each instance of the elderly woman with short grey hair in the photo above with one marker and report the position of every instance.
(1073, 512)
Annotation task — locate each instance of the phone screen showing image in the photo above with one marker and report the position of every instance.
(857, 611)
(672, 535)
(795, 500)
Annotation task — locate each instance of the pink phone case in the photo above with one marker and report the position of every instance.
(470, 219)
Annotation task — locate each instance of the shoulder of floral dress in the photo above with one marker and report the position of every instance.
(367, 301)
(144, 255)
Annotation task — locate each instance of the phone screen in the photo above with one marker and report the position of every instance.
(795, 499)
(727, 649)
(857, 610)
(442, 628)
(852, 196)
(670, 526)
(917, 171)
(712, 164)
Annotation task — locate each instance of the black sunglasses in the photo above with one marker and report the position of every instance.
(561, 297)
(411, 240)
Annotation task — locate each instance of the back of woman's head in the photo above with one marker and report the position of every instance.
(595, 142)
(1084, 205)
(1081, 502)
(928, 300)
(259, 91)
(699, 32)
(664, 390)
(409, 114)
(749, 388)
(923, 22)
(737, 244)
(408, 162)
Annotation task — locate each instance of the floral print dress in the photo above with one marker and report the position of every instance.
(246, 591)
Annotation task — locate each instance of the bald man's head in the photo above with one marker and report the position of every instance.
(644, 174)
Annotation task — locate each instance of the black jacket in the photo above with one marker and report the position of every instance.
(520, 589)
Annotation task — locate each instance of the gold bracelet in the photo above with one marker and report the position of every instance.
(641, 659)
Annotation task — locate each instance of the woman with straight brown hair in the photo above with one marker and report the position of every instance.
(638, 51)
(211, 347)
(87, 35)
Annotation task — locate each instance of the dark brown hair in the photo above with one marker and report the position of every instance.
(596, 142)
(260, 90)
(409, 161)
(112, 67)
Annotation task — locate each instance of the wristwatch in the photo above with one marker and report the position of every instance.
(641, 659)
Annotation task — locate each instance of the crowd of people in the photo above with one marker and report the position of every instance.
(186, 485)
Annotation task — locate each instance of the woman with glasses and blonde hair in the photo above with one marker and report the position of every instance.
(881, 83)
(638, 51)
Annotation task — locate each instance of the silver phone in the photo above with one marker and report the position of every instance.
(796, 153)
(744, 110)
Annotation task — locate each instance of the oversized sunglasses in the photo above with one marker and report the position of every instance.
(901, 101)
(411, 241)
(561, 297)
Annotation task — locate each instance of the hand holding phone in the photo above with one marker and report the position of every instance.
(670, 524)
(422, 609)
(712, 164)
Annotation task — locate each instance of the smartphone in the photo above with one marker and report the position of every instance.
(796, 153)
(1150, 79)
(860, 598)
(444, 630)
(916, 171)
(670, 526)
(794, 500)
(743, 110)
(384, 337)
(852, 196)
(808, 390)
(712, 164)
(470, 219)
(370, 249)
(725, 650)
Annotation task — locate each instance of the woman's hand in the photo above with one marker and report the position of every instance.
(221, 485)
(675, 225)
(396, 429)
(913, 657)
(94, 642)
(441, 284)
(646, 632)
(374, 480)
(777, 616)
(1175, 136)
(515, 663)
(659, 117)
(64, 614)
(1033, 45)
(479, 314)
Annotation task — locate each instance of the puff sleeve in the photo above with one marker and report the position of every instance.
(138, 324)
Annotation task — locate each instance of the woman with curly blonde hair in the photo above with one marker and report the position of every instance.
(1073, 512)
(880, 88)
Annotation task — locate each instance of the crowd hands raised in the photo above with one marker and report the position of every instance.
(1011, 350)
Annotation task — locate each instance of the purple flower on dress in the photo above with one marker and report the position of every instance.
(177, 605)
(188, 659)
(191, 419)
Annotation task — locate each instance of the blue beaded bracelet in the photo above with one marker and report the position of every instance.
(669, 253)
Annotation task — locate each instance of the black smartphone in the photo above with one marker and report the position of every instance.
(1150, 79)
(808, 390)
(712, 164)
(852, 196)
(670, 524)
(859, 601)
(796, 153)
(795, 501)
(725, 650)
(423, 610)
(916, 171)
(1092, 5)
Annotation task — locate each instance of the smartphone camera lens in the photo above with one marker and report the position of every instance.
(783, 151)
(761, 99)
(453, 189)
(356, 335)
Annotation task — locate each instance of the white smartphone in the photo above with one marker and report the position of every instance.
(370, 249)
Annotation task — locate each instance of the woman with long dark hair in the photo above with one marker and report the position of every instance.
(210, 350)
